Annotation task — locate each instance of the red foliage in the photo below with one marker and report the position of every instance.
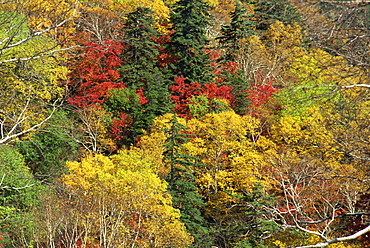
(182, 93)
(120, 126)
(213, 91)
(94, 73)
(262, 92)
(141, 95)
(220, 69)
(93, 94)
(1, 239)
(356, 223)
(164, 58)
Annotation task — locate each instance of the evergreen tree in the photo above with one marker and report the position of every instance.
(188, 41)
(270, 11)
(234, 35)
(182, 185)
(140, 70)
(233, 40)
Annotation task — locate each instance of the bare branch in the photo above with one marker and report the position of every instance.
(11, 135)
(336, 240)
(51, 52)
(38, 33)
(18, 188)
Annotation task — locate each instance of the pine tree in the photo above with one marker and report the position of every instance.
(233, 40)
(182, 185)
(140, 71)
(188, 41)
(270, 11)
(234, 35)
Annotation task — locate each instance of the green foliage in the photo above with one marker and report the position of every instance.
(19, 193)
(189, 22)
(240, 89)
(46, 152)
(256, 225)
(181, 183)
(317, 84)
(234, 35)
(28, 81)
(13, 27)
(140, 72)
(18, 187)
(269, 11)
(198, 105)
(123, 100)
(126, 101)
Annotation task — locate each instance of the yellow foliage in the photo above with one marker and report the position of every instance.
(212, 3)
(160, 8)
(93, 129)
(28, 87)
(126, 200)
(271, 56)
(323, 68)
(314, 239)
(42, 15)
(225, 144)
(152, 143)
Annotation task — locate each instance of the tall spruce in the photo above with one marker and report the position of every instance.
(190, 19)
(233, 41)
(140, 70)
(182, 185)
(270, 11)
(233, 36)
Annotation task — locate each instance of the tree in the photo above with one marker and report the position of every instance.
(46, 151)
(140, 70)
(337, 240)
(94, 73)
(51, 19)
(188, 41)
(19, 193)
(317, 186)
(98, 21)
(193, 99)
(182, 185)
(232, 152)
(128, 120)
(338, 27)
(30, 63)
(123, 203)
(233, 36)
(30, 92)
(267, 12)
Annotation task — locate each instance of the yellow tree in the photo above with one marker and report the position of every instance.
(270, 56)
(30, 91)
(90, 129)
(317, 186)
(230, 148)
(123, 203)
(53, 19)
(30, 64)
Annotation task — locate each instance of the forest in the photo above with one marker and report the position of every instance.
(184, 123)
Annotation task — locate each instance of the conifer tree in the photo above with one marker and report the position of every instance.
(233, 40)
(182, 184)
(140, 71)
(234, 35)
(270, 11)
(188, 41)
